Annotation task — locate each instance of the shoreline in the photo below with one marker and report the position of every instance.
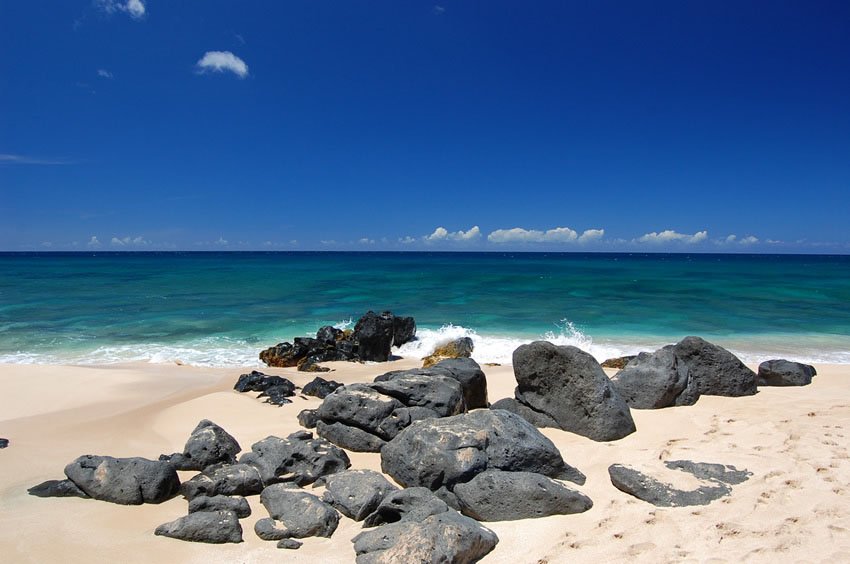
(793, 440)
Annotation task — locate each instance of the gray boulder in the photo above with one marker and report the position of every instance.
(785, 373)
(494, 495)
(127, 481)
(404, 330)
(300, 513)
(216, 527)
(471, 378)
(536, 418)
(207, 445)
(299, 458)
(409, 504)
(57, 488)
(224, 479)
(439, 393)
(350, 438)
(357, 405)
(356, 493)
(447, 537)
(237, 504)
(320, 388)
(656, 380)
(373, 334)
(437, 453)
(569, 385)
(307, 418)
(715, 371)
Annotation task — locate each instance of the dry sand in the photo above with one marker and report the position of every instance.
(795, 507)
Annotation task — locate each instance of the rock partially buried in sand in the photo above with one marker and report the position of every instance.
(215, 527)
(126, 481)
(716, 478)
(502, 496)
(447, 537)
(458, 348)
(785, 373)
(57, 488)
(568, 385)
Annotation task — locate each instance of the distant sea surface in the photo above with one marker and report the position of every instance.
(221, 309)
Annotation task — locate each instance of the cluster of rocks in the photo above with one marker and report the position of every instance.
(372, 339)
(277, 390)
(364, 417)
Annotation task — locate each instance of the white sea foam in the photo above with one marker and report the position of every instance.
(500, 348)
(222, 351)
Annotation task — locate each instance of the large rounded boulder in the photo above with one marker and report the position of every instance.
(568, 385)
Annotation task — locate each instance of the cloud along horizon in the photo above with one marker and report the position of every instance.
(222, 61)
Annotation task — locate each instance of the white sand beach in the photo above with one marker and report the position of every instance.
(795, 506)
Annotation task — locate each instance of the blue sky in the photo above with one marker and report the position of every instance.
(387, 125)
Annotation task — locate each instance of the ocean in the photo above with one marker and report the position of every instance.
(221, 309)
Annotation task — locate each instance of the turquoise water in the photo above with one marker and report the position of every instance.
(220, 309)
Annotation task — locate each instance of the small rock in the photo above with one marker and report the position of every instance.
(785, 373)
(307, 418)
(373, 334)
(4, 443)
(216, 527)
(311, 364)
(290, 544)
(320, 388)
(349, 437)
(619, 362)
(277, 395)
(256, 381)
(404, 330)
(267, 529)
(458, 348)
(207, 445)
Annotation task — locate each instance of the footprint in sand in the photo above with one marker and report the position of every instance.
(640, 548)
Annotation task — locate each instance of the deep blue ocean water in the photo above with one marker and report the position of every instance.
(220, 309)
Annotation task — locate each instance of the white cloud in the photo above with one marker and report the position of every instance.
(749, 240)
(442, 234)
(222, 242)
(366, 241)
(93, 242)
(670, 236)
(134, 8)
(520, 235)
(47, 244)
(731, 238)
(129, 241)
(27, 160)
(591, 235)
(406, 240)
(221, 61)
(103, 73)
